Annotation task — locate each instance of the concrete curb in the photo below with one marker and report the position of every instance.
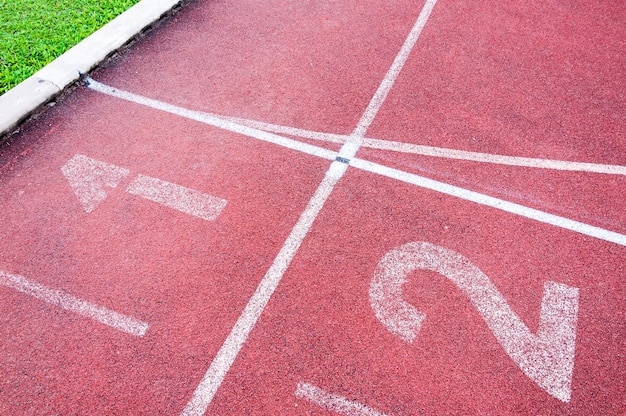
(23, 100)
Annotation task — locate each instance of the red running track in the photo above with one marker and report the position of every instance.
(392, 282)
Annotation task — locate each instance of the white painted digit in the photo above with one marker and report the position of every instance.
(546, 357)
(88, 178)
(180, 198)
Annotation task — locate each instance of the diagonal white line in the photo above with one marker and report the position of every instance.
(394, 71)
(493, 158)
(68, 302)
(204, 393)
(212, 120)
(292, 131)
(490, 201)
(213, 378)
(462, 193)
(441, 152)
(333, 402)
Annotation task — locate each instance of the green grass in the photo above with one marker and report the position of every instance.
(35, 32)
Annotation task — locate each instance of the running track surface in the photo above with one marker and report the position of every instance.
(357, 208)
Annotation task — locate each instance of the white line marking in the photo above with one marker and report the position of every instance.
(462, 193)
(441, 152)
(496, 159)
(68, 302)
(212, 120)
(292, 131)
(333, 402)
(547, 358)
(177, 197)
(490, 201)
(394, 71)
(204, 393)
(225, 357)
(88, 177)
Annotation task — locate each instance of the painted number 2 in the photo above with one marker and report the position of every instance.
(546, 357)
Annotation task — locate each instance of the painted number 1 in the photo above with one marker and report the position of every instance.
(546, 357)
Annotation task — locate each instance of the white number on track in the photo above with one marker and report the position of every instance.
(546, 357)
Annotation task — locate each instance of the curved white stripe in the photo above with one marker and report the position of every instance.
(491, 158)
(442, 152)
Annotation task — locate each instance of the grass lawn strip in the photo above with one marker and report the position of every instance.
(35, 32)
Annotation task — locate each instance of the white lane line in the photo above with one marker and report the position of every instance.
(462, 193)
(212, 120)
(292, 131)
(213, 378)
(441, 152)
(333, 402)
(225, 357)
(394, 71)
(466, 194)
(177, 197)
(496, 159)
(68, 302)
(490, 201)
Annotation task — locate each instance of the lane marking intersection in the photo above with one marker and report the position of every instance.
(213, 378)
(365, 165)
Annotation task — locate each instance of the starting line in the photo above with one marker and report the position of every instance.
(421, 181)
(440, 152)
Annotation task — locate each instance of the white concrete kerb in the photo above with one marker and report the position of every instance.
(20, 102)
